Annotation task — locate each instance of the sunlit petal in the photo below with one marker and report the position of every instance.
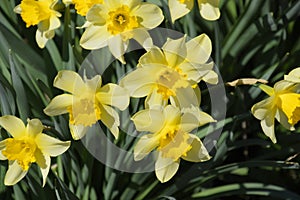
(150, 14)
(209, 9)
(198, 152)
(51, 146)
(34, 127)
(178, 10)
(110, 119)
(59, 104)
(13, 125)
(14, 173)
(78, 131)
(165, 168)
(95, 37)
(68, 81)
(144, 146)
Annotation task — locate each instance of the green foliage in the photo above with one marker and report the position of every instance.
(253, 38)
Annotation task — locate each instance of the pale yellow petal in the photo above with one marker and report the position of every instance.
(69, 81)
(59, 104)
(267, 125)
(185, 97)
(150, 14)
(261, 109)
(153, 57)
(110, 119)
(34, 127)
(151, 120)
(54, 22)
(13, 125)
(211, 77)
(155, 99)
(14, 173)
(95, 15)
(283, 85)
(178, 10)
(94, 84)
(51, 146)
(40, 38)
(293, 76)
(2, 147)
(199, 49)
(94, 37)
(78, 131)
(118, 47)
(283, 120)
(144, 146)
(114, 95)
(44, 163)
(198, 152)
(165, 168)
(209, 9)
(143, 38)
(175, 51)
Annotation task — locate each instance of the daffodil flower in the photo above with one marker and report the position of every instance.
(283, 104)
(293, 76)
(172, 73)
(28, 145)
(209, 9)
(82, 6)
(42, 14)
(170, 137)
(114, 22)
(87, 103)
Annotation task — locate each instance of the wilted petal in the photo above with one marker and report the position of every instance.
(59, 104)
(110, 119)
(199, 49)
(151, 120)
(112, 94)
(178, 10)
(144, 146)
(94, 37)
(51, 146)
(69, 81)
(209, 9)
(198, 152)
(14, 173)
(165, 168)
(151, 15)
(34, 127)
(13, 125)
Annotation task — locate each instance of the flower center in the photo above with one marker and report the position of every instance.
(20, 150)
(34, 12)
(120, 20)
(289, 103)
(168, 81)
(84, 111)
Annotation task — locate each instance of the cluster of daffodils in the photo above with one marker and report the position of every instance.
(282, 104)
(168, 77)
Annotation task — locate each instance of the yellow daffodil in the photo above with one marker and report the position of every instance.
(283, 104)
(82, 6)
(42, 14)
(172, 73)
(209, 9)
(28, 145)
(87, 103)
(170, 137)
(114, 22)
(293, 76)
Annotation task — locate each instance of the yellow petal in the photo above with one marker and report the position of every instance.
(150, 14)
(14, 173)
(283, 120)
(199, 49)
(198, 152)
(211, 77)
(94, 37)
(54, 22)
(114, 95)
(165, 168)
(284, 85)
(144, 146)
(95, 15)
(13, 125)
(78, 131)
(143, 38)
(209, 9)
(153, 57)
(59, 104)
(69, 81)
(40, 38)
(93, 84)
(185, 97)
(155, 99)
(178, 9)
(175, 51)
(118, 47)
(51, 146)
(110, 119)
(34, 127)
(149, 120)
